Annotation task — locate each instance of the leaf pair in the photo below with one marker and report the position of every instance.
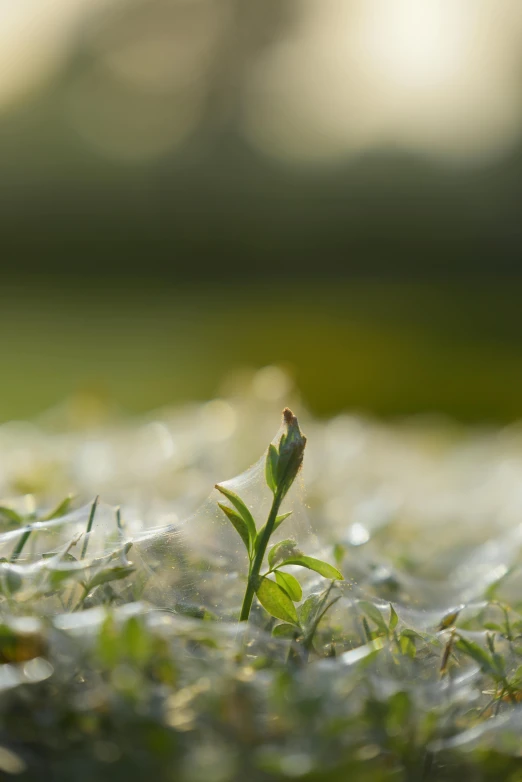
(243, 521)
(278, 597)
(240, 517)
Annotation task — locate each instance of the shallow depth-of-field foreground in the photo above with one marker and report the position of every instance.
(124, 573)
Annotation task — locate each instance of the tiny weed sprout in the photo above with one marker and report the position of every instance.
(278, 595)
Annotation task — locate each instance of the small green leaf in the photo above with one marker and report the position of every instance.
(281, 551)
(478, 654)
(394, 619)
(367, 632)
(374, 614)
(111, 574)
(238, 523)
(10, 515)
(409, 633)
(279, 520)
(271, 468)
(275, 600)
(284, 631)
(290, 584)
(309, 608)
(60, 510)
(323, 568)
(407, 645)
(241, 508)
(58, 575)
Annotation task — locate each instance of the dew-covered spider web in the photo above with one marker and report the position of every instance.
(423, 518)
(195, 566)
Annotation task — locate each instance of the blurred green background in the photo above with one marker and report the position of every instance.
(192, 187)
(389, 348)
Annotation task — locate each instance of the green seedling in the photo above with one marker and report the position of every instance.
(278, 595)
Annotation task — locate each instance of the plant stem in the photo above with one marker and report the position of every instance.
(255, 567)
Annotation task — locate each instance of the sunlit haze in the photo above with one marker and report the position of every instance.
(438, 77)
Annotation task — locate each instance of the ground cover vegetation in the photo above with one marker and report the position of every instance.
(347, 608)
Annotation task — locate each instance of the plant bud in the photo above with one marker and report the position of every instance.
(291, 452)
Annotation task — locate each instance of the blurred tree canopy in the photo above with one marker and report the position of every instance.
(133, 160)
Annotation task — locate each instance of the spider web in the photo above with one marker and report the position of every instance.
(196, 566)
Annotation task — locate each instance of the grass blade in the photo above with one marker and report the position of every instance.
(89, 526)
(20, 545)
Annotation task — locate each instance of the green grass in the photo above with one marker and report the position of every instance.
(125, 657)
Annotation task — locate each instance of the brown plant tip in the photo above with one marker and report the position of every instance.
(289, 417)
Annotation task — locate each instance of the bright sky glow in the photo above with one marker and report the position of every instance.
(35, 38)
(412, 44)
(440, 77)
